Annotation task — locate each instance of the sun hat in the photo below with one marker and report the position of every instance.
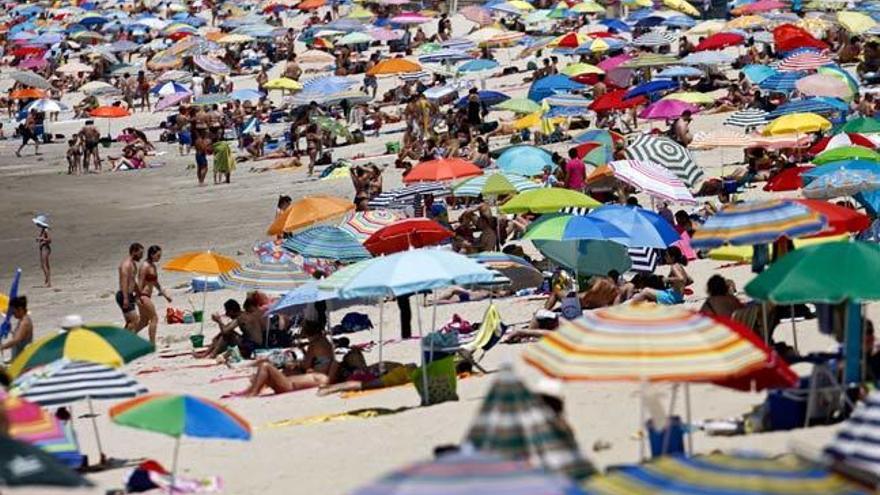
(70, 322)
(41, 220)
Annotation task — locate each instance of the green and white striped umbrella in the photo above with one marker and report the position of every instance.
(497, 184)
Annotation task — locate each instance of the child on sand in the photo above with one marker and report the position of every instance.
(74, 155)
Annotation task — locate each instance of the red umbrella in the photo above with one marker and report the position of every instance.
(788, 180)
(775, 374)
(841, 219)
(788, 37)
(109, 112)
(613, 100)
(718, 41)
(442, 169)
(850, 139)
(570, 40)
(406, 234)
(29, 51)
(179, 35)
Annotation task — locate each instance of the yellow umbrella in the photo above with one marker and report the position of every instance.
(682, 6)
(588, 8)
(283, 83)
(747, 22)
(797, 123)
(202, 263)
(578, 69)
(521, 5)
(855, 22)
(691, 97)
(359, 12)
(309, 211)
(581, 37)
(4, 303)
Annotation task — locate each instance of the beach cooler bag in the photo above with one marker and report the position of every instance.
(206, 284)
(674, 444)
(788, 408)
(439, 345)
(442, 381)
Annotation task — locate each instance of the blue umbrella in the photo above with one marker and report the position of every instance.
(643, 228)
(680, 21)
(551, 85)
(487, 98)
(616, 24)
(327, 85)
(637, 15)
(587, 257)
(831, 167)
(781, 82)
(444, 56)
(246, 94)
(818, 105)
(47, 39)
(842, 183)
(524, 160)
(478, 65)
(651, 87)
(650, 21)
(757, 73)
(680, 71)
(297, 299)
(712, 57)
(93, 21)
(326, 242)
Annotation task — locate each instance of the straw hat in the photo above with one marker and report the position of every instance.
(41, 220)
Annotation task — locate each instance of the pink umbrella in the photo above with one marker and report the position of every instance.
(171, 100)
(805, 61)
(477, 14)
(759, 6)
(613, 62)
(381, 34)
(823, 85)
(33, 63)
(410, 18)
(667, 109)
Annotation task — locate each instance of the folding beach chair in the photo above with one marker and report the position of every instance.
(490, 332)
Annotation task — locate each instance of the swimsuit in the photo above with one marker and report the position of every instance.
(131, 302)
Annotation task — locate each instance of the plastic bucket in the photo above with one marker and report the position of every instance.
(197, 340)
(198, 316)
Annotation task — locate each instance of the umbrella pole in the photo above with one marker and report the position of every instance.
(766, 323)
(204, 302)
(97, 435)
(174, 465)
(667, 434)
(419, 313)
(643, 389)
(381, 325)
(687, 418)
(793, 329)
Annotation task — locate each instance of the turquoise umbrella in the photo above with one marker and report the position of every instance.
(587, 257)
(327, 242)
(524, 160)
(479, 65)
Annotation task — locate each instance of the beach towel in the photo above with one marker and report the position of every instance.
(224, 158)
(684, 244)
(150, 475)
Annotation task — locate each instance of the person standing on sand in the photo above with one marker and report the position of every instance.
(202, 147)
(28, 131)
(148, 277)
(24, 330)
(44, 244)
(127, 295)
(91, 137)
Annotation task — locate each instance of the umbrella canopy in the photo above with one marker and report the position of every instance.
(283, 83)
(805, 61)
(92, 343)
(788, 179)
(830, 273)
(405, 273)
(497, 184)
(650, 342)
(201, 262)
(441, 170)
(651, 178)
(110, 112)
(860, 124)
(680, 71)
(842, 183)
(266, 277)
(747, 118)
(616, 100)
(518, 105)
(855, 22)
(65, 381)
(515, 424)
(181, 415)
(31, 79)
(824, 85)
(406, 234)
(309, 211)
(524, 160)
(550, 85)
(520, 273)
(24, 465)
(649, 60)
(667, 109)
(295, 301)
(406, 197)
(855, 443)
(842, 153)
(643, 228)
(363, 224)
(394, 66)
(574, 228)
(719, 41)
(841, 220)
(548, 200)
(721, 473)
(466, 474)
(797, 123)
(781, 82)
(667, 153)
(328, 242)
(586, 257)
(757, 222)
(651, 87)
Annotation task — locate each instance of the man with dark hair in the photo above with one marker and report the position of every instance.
(127, 295)
(24, 330)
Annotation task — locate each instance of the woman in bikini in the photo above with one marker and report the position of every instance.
(44, 244)
(148, 278)
(318, 368)
(313, 146)
(675, 282)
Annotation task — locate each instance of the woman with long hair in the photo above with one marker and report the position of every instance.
(148, 278)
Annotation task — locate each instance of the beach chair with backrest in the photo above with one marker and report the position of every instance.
(490, 332)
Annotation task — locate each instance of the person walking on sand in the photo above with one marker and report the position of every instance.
(44, 244)
(148, 278)
(127, 295)
(28, 131)
(202, 147)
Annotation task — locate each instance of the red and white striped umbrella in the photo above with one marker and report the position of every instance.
(653, 179)
(805, 61)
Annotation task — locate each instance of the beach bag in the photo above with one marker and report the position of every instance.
(571, 306)
(355, 322)
(458, 325)
(173, 316)
(442, 381)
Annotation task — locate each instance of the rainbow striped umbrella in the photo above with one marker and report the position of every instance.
(326, 242)
(268, 277)
(32, 424)
(363, 224)
(468, 474)
(497, 184)
(647, 342)
(722, 474)
(757, 222)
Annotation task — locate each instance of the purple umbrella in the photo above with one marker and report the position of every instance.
(33, 63)
(380, 34)
(212, 65)
(171, 100)
(410, 18)
(667, 109)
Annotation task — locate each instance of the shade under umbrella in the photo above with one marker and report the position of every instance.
(666, 152)
(520, 274)
(757, 222)
(324, 241)
(586, 257)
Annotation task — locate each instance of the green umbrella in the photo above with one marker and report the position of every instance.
(22, 464)
(518, 105)
(548, 200)
(861, 125)
(587, 257)
(355, 38)
(846, 153)
(649, 60)
(830, 273)
(332, 126)
(497, 184)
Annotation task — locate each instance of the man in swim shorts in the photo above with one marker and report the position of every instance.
(126, 296)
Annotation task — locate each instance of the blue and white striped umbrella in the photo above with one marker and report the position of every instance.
(748, 118)
(655, 38)
(822, 106)
(326, 242)
(327, 85)
(781, 82)
(858, 441)
(446, 55)
(842, 183)
(65, 381)
(169, 88)
(711, 57)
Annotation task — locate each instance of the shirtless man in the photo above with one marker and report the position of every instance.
(129, 89)
(91, 137)
(681, 129)
(127, 295)
(292, 70)
(251, 322)
(202, 146)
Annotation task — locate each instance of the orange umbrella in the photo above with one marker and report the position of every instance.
(311, 4)
(309, 211)
(203, 263)
(394, 66)
(442, 169)
(24, 94)
(109, 112)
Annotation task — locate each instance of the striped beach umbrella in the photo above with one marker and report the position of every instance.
(857, 443)
(720, 139)
(405, 197)
(748, 118)
(652, 179)
(326, 242)
(722, 474)
(806, 61)
(655, 38)
(66, 381)
(644, 259)
(515, 424)
(363, 224)
(212, 64)
(822, 106)
(757, 222)
(476, 14)
(497, 184)
(667, 153)
(648, 60)
(842, 183)
(266, 277)
(467, 474)
(648, 342)
(781, 82)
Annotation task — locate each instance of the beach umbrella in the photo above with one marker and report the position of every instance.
(692, 97)
(805, 61)
(707, 58)
(518, 105)
(524, 160)
(757, 222)
(405, 197)
(486, 98)
(28, 421)
(394, 66)
(93, 343)
(478, 15)
(757, 73)
(643, 228)
(818, 105)
(495, 184)
(467, 474)
(842, 183)
(855, 444)
(840, 219)
(74, 68)
(266, 277)
(363, 224)
(865, 125)
(514, 423)
(477, 65)
(294, 301)
(27, 93)
(651, 87)
(843, 75)
(719, 41)
(178, 416)
(574, 228)
(548, 200)
(797, 123)
(169, 88)
(520, 273)
(409, 233)
(667, 153)
(24, 465)
(29, 78)
(33, 63)
(110, 112)
(855, 22)
(309, 211)
(580, 68)
(171, 100)
(789, 179)
(745, 474)
(283, 83)
(211, 64)
(840, 140)
(202, 263)
(747, 118)
(328, 242)
(355, 38)
(654, 39)
(442, 169)
(246, 95)
(667, 109)
(680, 71)
(616, 100)
(841, 153)
(586, 257)
(824, 85)
(652, 179)
(781, 82)
(645, 60)
(550, 85)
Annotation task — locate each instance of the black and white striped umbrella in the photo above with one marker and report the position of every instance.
(666, 152)
(858, 441)
(65, 381)
(747, 118)
(404, 197)
(644, 259)
(655, 38)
